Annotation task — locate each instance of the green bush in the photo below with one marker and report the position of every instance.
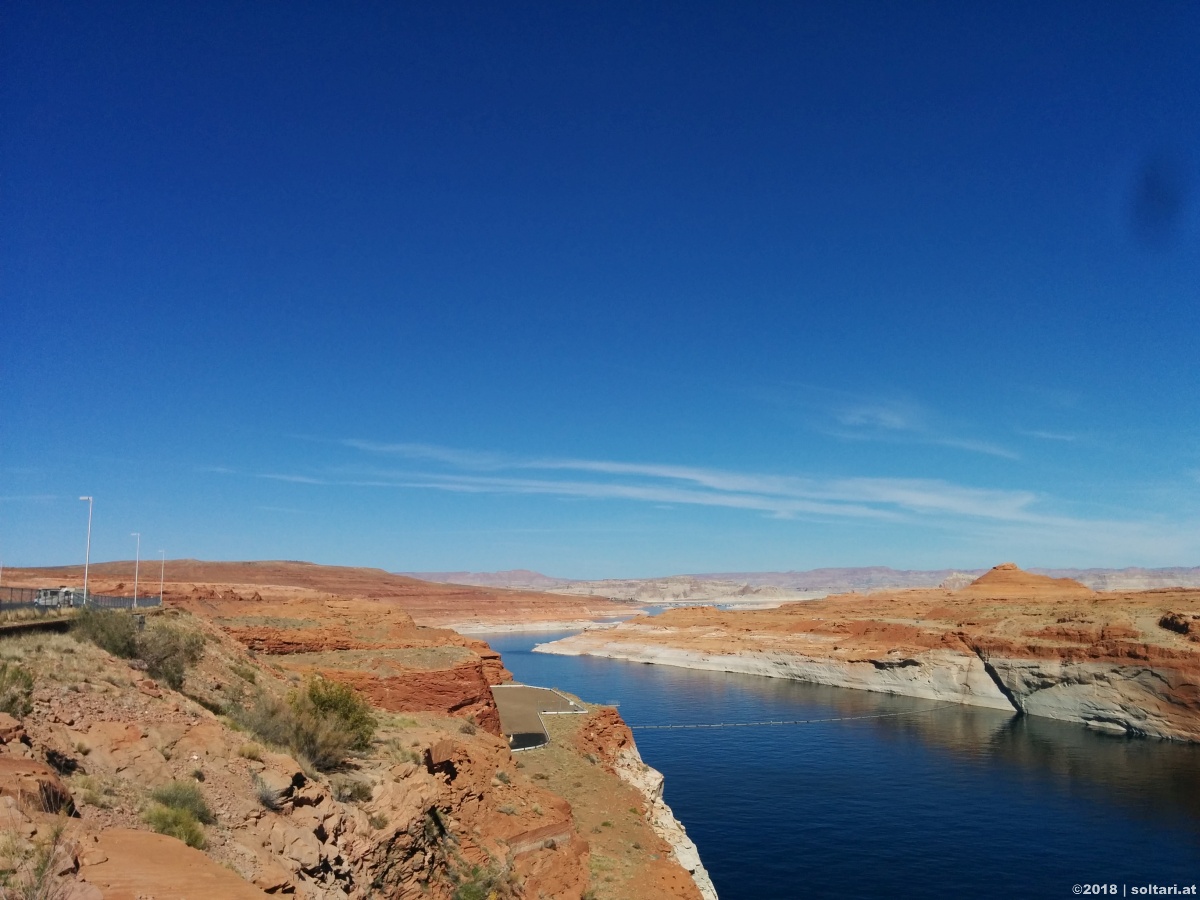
(168, 651)
(340, 701)
(481, 883)
(267, 717)
(324, 722)
(178, 823)
(186, 796)
(323, 739)
(108, 629)
(16, 690)
(305, 732)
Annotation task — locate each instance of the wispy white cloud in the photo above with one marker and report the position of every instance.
(887, 418)
(654, 491)
(468, 459)
(781, 495)
(293, 479)
(1008, 517)
(1047, 435)
(884, 415)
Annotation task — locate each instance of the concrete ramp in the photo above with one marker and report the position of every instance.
(521, 707)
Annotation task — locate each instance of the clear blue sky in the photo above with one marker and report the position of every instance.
(601, 289)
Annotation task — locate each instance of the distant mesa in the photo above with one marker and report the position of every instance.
(1009, 580)
(513, 579)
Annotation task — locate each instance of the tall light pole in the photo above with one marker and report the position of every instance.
(137, 563)
(88, 555)
(161, 572)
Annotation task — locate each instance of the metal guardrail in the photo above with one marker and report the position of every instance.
(15, 598)
(100, 601)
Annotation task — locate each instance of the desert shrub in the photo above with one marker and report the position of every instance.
(168, 651)
(250, 751)
(177, 823)
(323, 739)
(92, 791)
(479, 883)
(33, 875)
(320, 724)
(246, 673)
(213, 706)
(351, 790)
(342, 702)
(16, 690)
(269, 797)
(187, 796)
(395, 751)
(267, 717)
(306, 765)
(108, 629)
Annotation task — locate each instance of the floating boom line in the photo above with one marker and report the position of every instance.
(911, 712)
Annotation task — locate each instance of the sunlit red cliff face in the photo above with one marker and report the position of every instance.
(1012, 640)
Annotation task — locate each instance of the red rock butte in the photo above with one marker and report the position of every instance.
(1009, 580)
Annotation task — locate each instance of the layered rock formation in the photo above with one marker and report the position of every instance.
(369, 644)
(438, 808)
(608, 738)
(1009, 640)
(772, 588)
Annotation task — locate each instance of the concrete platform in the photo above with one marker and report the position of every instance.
(521, 707)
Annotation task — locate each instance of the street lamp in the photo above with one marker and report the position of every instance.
(88, 555)
(161, 572)
(137, 563)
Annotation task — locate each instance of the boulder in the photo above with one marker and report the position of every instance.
(34, 786)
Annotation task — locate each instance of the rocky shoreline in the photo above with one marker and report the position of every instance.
(1009, 641)
(947, 677)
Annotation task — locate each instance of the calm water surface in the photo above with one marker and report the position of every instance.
(935, 801)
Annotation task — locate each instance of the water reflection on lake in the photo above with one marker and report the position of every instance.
(892, 795)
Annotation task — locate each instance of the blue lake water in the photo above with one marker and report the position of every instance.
(922, 800)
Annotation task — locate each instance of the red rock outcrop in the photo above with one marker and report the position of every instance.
(458, 691)
(605, 735)
(124, 864)
(1007, 580)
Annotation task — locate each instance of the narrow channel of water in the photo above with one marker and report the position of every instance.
(937, 801)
